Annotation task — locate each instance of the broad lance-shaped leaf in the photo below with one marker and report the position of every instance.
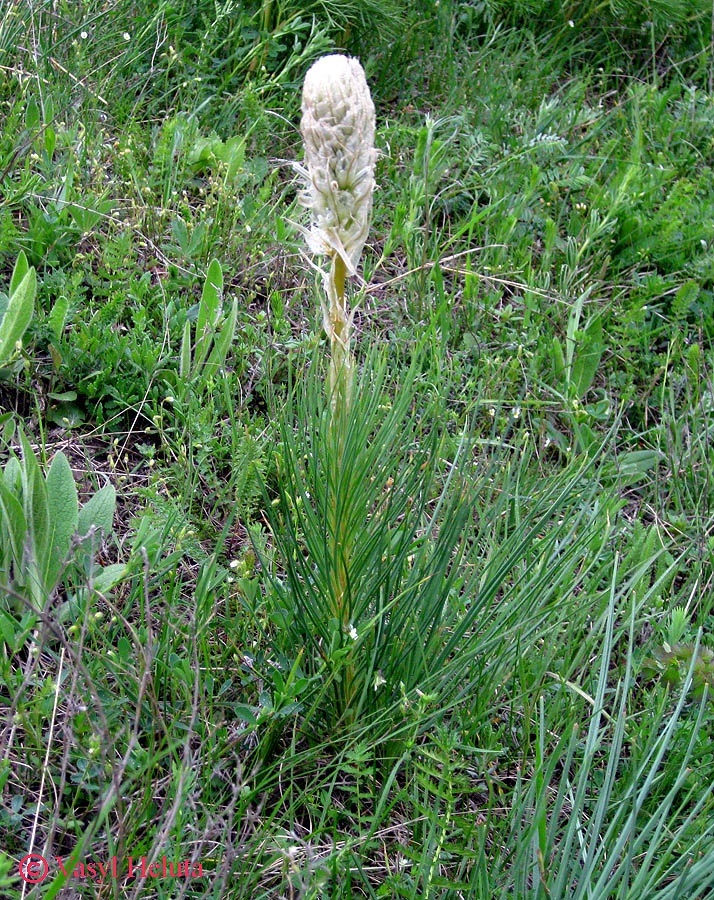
(37, 513)
(18, 314)
(208, 312)
(98, 511)
(107, 577)
(180, 232)
(63, 508)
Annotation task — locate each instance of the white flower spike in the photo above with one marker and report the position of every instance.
(337, 127)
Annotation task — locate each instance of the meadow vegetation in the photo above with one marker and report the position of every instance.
(513, 697)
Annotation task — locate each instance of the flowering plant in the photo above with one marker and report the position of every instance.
(337, 126)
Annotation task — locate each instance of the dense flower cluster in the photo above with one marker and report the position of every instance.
(337, 127)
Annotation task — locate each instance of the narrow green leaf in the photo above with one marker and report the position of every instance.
(223, 341)
(19, 272)
(558, 358)
(50, 139)
(32, 114)
(208, 311)
(588, 357)
(185, 358)
(573, 322)
(57, 316)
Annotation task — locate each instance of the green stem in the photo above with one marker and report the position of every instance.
(266, 14)
(340, 385)
(341, 357)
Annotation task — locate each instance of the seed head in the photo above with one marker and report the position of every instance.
(337, 127)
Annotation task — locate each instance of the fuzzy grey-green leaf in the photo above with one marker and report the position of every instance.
(98, 511)
(18, 314)
(63, 508)
(14, 521)
(19, 272)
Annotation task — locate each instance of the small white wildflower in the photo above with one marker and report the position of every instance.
(353, 632)
(84, 35)
(234, 563)
(571, 23)
(126, 36)
(492, 412)
(379, 680)
(517, 412)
